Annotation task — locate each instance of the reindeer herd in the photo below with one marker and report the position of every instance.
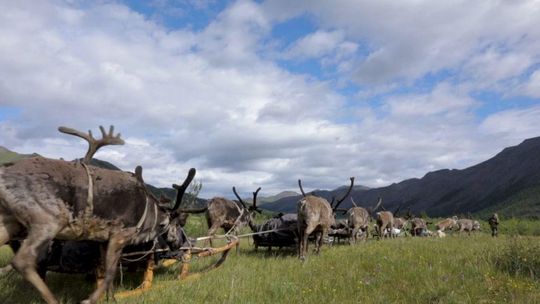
(48, 207)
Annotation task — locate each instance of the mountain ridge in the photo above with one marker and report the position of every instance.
(451, 191)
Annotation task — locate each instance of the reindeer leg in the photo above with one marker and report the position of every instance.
(309, 230)
(353, 238)
(39, 235)
(302, 243)
(318, 241)
(100, 269)
(211, 232)
(303, 246)
(116, 242)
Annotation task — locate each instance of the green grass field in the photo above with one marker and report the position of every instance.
(466, 269)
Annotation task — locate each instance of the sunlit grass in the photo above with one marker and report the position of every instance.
(407, 270)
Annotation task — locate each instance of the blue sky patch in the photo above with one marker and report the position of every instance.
(9, 113)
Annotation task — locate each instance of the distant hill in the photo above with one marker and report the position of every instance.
(7, 156)
(269, 199)
(509, 183)
(288, 204)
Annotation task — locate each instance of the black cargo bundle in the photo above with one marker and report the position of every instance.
(285, 226)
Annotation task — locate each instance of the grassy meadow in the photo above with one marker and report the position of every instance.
(455, 269)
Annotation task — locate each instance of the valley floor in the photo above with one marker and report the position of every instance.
(408, 270)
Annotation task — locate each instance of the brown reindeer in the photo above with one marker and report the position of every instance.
(82, 256)
(418, 227)
(467, 225)
(315, 215)
(358, 220)
(401, 223)
(385, 223)
(448, 223)
(229, 215)
(44, 199)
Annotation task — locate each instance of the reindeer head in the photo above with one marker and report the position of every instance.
(372, 210)
(248, 211)
(168, 220)
(338, 202)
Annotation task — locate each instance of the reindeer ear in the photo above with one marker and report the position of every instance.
(138, 174)
(163, 199)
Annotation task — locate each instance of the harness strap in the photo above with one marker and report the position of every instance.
(89, 209)
(143, 217)
(242, 210)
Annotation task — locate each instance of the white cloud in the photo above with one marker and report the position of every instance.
(443, 100)
(210, 99)
(408, 40)
(532, 86)
(513, 125)
(195, 97)
(321, 43)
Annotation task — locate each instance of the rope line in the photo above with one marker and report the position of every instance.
(191, 247)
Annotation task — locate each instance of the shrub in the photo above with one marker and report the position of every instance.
(520, 257)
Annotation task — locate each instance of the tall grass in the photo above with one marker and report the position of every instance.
(515, 226)
(520, 257)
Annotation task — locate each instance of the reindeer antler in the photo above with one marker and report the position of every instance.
(353, 202)
(346, 194)
(379, 202)
(332, 202)
(301, 189)
(409, 214)
(397, 210)
(181, 190)
(95, 144)
(238, 196)
(254, 207)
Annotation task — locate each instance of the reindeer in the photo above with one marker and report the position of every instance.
(401, 223)
(448, 223)
(467, 225)
(229, 215)
(385, 223)
(418, 227)
(43, 199)
(358, 220)
(83, 256)
(315, 215)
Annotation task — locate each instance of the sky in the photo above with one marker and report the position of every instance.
(262, 93)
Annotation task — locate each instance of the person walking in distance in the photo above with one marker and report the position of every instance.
(494, 223)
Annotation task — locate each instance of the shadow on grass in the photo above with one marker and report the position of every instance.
(285, 252)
